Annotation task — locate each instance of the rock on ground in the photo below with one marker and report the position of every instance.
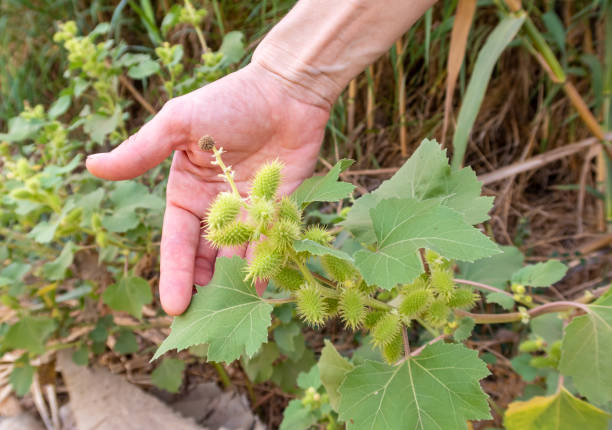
(102, 401)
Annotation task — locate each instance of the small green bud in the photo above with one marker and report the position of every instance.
(233, 234)
(386, 329)
(372, 318)
(96, 221)
(266, 181)
(555, 351)
(101, 239)
(431, 257)
(462, 298)
(73, 217)
(437, 314)
(518, 288)
(267, 262)
(415, 302)
(288, 279)
(394, 350)
(542, 362)
(318, 234)
(223, 210)
(284, 233)
(339, 270)
(310, 305)
(442, 282)
(22, 194)
(352, 308)
(436, 261)
(530, 346)
(288, 210)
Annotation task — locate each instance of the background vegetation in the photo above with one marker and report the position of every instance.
(72, 241)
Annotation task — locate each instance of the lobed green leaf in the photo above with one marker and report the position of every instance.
(437, 389)
(227, 314)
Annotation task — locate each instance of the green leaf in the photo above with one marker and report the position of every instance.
(504, 300)
(81, 356)
(548, 326)
(426, 175)
(56, 270)
(284, 336)
(129, 294)
(232, 48)
(309, 379)
(402, 226)
(464, 329)
(586, 351)
(14, 273)
(123, 196)
(324, 188)
(438, 389)
(143, 69)
(98, 126)
(227, 314)
(59, 106)
(260, 367)
(297, 417)
(541, 274)
(286, 372)
(20, 128)
(121, 221)
(126, 342)
(44, 231)
(315, 248)
(21, 378)
(522, 365)
(555, 28)
(496, 43)
(496, 270)
(29, 333)
(169, 375)
(561, 411)
(332, 371)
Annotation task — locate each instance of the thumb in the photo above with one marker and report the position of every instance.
(142, 151)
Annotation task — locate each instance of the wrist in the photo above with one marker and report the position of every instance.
(322, 44)
(304, 81)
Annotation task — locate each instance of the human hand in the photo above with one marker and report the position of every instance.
(255, 116)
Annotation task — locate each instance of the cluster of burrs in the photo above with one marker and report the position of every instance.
(274, 223)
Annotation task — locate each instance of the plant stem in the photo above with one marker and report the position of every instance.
(547, 308)
(542, 47)
(405, 341)
(276, 302)
(483, 286)
(228, 174)
(420, 349)
(225, 380)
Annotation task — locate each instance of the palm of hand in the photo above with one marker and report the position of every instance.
(255, 117)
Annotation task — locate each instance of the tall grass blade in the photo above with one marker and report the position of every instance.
(456, 53)
(428, 23)
(497, 41)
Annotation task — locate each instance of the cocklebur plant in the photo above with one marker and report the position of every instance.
(399, 281)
